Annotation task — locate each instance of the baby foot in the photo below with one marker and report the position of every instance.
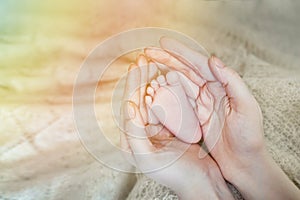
(168, 102)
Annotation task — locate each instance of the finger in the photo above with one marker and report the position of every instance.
(132, 86)
(152, 72)
(235, 88)
(130, 94)
(165, 58)
(128, 91)
(123, 141)
(204, 106)
(143, 65)
(125, 147)
(188, 56)
(135, 129)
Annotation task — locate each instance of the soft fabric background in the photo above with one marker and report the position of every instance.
(43, 43)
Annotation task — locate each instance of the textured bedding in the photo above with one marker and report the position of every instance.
(42, 46)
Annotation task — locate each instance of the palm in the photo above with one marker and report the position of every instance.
(231, 134)
(176, 156)
(160, 156)
(231, 129)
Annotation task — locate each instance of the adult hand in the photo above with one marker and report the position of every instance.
(165, 159)
(231, 120)
(230, 116)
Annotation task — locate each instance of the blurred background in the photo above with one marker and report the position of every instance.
(43, 44)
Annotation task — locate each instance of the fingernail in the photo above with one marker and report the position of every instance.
(141, 60)
(131, 66)
(130, 110)
(218, 62)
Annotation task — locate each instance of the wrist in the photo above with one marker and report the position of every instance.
(209, 192)
(264, 180)
(214, 187)
(252, 178)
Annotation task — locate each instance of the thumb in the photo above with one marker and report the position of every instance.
(235, 88)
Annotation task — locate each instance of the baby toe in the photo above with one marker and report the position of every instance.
(161, 80)
(172, 78)
(154, 84)
(150, 91)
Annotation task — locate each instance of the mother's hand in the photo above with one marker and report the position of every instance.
(230, 116)
(233, 130)
(168, 161)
